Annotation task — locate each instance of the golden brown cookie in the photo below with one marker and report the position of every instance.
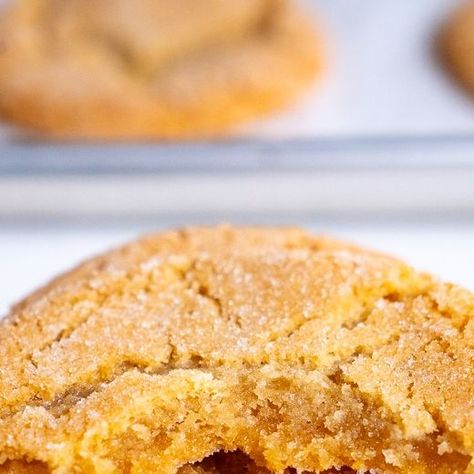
(151, 68)
(239, 351)
(457, 44)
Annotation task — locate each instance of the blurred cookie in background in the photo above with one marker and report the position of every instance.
(456, 44)
(163, 69)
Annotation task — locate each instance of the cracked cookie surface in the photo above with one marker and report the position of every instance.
(151, 68)
(457, 45)
(239, 350)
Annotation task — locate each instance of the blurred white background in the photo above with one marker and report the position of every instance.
(383, 74)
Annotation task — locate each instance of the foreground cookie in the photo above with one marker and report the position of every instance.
(457, 44)
(239, 350)
(151, 68)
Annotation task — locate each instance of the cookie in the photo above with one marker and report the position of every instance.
(227, 350)
(457, 45)
(151, 68)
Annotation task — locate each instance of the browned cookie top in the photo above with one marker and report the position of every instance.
(300, 351)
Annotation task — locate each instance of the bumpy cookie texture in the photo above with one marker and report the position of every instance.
(457, 44)
(151, 68)
(239, 350)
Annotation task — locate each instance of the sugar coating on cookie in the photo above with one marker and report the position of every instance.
(457, 44)
(227, 350)
(151, 68)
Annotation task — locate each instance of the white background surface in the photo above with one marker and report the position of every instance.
(383, 75)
